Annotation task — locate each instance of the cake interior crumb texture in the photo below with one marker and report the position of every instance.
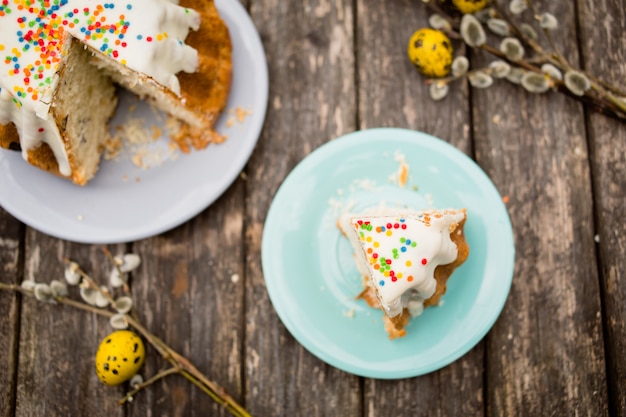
(84, 102)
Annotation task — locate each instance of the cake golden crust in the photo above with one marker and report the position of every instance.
(41, 157)
(8, 136)
(206, 91)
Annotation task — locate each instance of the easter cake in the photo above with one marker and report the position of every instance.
(406, 258)
(60, 61)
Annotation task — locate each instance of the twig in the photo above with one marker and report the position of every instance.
(180, 364)
(129, 395)
(602, 88)
(189, 371)
(604, 100)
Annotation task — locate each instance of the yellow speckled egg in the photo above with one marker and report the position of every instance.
(469, 6)
(119, 357)
(431, 51)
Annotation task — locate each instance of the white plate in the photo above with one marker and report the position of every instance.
(125, 203)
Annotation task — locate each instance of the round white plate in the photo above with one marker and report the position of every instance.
(312, 279)
(125, 203)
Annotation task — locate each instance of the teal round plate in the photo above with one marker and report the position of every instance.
(312, 279)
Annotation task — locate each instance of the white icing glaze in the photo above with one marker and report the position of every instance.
(401, 251)
(144, 35)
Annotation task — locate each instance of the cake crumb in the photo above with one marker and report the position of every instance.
(242, 114)
(137, 159)
(349, 313)
(112, 147)
(401, 176)
(156, 132)
(237, 115)
(364, 184)
(140, 143)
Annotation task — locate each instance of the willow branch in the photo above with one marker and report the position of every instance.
(603, 89)
(179, 363)
(604, 100)
(130, 394)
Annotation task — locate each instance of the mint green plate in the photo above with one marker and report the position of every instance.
(311, 277)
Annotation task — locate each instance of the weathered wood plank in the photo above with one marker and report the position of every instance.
(602, 26)
(545, 353)
(393, 93)
(309, 46)
(11, 238)
(56, 374)
(189, 292)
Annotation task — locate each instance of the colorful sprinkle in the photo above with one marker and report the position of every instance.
(391, 246)
(43, 26)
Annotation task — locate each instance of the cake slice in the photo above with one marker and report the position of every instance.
(406, 258)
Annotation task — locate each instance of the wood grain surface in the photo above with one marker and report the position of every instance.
(559, 346)
(310, 54)
(549, 336)
(604, 52)
(11, 253)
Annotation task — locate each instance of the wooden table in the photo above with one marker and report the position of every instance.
(559, 346)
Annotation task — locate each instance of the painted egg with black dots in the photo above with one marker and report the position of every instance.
(470, 6)
(119, 357)
(431, 52)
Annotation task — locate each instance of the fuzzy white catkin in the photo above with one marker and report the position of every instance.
(552, 71)
(576, 82)
(535, 83)
(472, 31)
(116, 279)
(123, 304)
(512, 48)
(28, 284)
(460, 65)
(518, 6)
(72, 276)
(499, 69)
(498, 26)
(548, 21)
(528, 31)
(59, 289)
(88, 295)
(515, 75)
(118, 321)
(485, 14)
(101, 301)
(136, 380)
(43, 292)
(130, 261)
(438, 92)
(438, 22)
(480, 79)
